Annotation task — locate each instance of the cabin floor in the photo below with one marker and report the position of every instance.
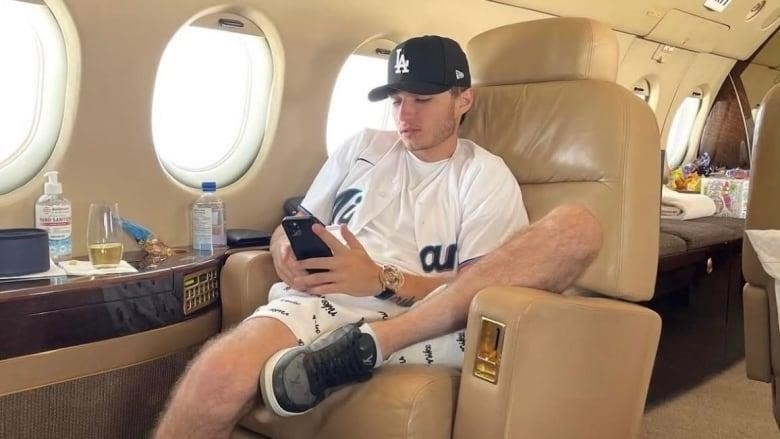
(725, 406)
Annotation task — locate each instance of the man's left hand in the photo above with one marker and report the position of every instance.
(350, 269)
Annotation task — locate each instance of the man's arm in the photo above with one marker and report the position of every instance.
(548, 255)
(352, 271)
(414, 288)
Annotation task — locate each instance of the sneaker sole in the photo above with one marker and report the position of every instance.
(266, 386)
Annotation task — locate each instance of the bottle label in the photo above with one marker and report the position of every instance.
(218, 235)
(202, 228)
(56, 220)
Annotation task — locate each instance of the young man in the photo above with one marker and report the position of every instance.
(478, 205)
(413, 207)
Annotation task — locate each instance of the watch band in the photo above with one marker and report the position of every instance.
(385, 294)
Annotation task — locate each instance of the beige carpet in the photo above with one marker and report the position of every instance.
(728, 406)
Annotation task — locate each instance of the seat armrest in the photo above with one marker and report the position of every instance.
(758, 341)
(570, 367)
(244, 282)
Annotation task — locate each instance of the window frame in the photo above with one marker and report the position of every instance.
(30, 157)
(679, 157)
(375, 48)
(642, 89)
(244, 150)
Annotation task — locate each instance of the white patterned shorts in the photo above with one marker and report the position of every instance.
(309, 317)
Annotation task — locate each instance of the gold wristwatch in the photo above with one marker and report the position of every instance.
(392, 279)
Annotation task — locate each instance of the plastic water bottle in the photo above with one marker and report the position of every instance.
(53, 214)
(208, 219)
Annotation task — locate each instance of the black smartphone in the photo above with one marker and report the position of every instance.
(305, 244)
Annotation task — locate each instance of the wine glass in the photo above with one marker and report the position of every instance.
(104, 235)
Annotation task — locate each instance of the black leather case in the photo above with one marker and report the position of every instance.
(247, 238)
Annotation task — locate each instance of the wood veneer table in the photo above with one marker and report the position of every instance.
(43, 314)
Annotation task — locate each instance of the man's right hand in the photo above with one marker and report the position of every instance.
(284, 258)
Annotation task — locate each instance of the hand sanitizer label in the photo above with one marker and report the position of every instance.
(54, 219)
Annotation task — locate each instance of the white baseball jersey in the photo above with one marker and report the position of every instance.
(426, 218)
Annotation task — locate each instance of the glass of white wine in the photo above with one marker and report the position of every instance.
(104, 235)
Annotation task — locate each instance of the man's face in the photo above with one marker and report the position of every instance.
(426, 121)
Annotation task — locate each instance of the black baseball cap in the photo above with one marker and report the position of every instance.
(424, 65)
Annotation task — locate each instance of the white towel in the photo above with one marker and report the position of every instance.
(85, 268)
(675, 205)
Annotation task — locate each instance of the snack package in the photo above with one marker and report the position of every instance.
(684, 180)
(729, 194)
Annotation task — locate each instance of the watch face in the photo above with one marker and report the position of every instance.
(393, 277)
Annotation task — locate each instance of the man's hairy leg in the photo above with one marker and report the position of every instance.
(221, 382)
(550, 254)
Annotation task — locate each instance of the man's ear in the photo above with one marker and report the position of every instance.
(465, 101)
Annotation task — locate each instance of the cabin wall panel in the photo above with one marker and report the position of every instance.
(707, 72)
(624, 42)
(108, 152)
(757, 80)
(663, 77)
(728, 130)
(673, 79)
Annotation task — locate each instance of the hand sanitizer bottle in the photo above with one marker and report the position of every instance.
(53, 214)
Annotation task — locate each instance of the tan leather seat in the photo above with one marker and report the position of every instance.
(570, 367)
(762, 338)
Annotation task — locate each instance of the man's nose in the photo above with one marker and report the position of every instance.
(405, 110)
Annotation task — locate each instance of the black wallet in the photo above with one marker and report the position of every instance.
(247, 238)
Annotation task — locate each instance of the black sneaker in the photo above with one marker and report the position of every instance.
(295, 380)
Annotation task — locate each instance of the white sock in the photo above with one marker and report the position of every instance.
(364, 328)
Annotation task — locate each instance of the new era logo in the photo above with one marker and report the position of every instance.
(459, 74)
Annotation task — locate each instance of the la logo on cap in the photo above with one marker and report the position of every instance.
(401, 63)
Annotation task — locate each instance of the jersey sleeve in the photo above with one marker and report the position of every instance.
(493, 210)
(321, 195)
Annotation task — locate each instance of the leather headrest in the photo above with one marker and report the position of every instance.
(552, 49)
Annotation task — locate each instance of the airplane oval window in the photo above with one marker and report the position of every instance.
(32, 86)
(210, 100)
(679, 138)
(350, 110)
(642, 90)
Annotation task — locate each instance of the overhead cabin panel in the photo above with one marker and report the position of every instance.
(736, 32)
(769, 55)
(687, 31)
(624, 16)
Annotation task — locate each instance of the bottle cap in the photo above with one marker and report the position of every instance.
(52, 186)
(208, 186)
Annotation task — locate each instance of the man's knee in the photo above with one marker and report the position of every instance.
(577, 223)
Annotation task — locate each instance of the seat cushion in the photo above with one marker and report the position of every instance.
(410, 401)
(671, 245)
(698, 235)
(735, 225)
